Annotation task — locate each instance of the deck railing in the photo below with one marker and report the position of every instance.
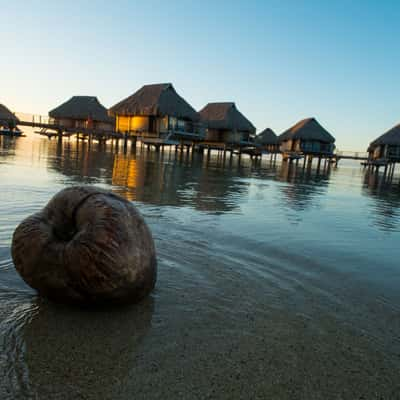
(34, 118)
(351, 154)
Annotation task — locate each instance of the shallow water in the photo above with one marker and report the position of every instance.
(273, 282)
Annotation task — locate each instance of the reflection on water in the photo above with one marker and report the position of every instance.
(274, 281)
(386, 200)
(305, 185)
(168, 178)
(7, 147)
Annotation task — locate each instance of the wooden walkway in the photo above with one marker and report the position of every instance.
(53, 130)
(351, 155)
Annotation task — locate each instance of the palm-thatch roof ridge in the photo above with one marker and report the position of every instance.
(307, 129)
(267, 136)
(158, 100)
(81, 108)
(391, 138)
(6, 115)
(225, 116)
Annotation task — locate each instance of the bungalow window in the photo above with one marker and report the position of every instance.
(316, 147)
(172, 123)
(180, 126)
(307, 146)
(394, 151)
(327, 147)
(245, 136)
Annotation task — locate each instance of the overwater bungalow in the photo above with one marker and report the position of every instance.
(7, 118)
(226, 125)
(157, 114)
(82, 112)
(307, 138)
(268, 141)
(386, 146)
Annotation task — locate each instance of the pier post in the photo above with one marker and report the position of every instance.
(125, 141)
(393, 167)
(133, 144)
(385, 170)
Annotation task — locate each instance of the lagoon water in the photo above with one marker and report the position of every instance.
(273, 282)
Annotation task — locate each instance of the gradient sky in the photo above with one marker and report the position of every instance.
(280, 61)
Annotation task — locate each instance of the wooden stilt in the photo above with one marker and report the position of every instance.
(133, 144)
(319, 163)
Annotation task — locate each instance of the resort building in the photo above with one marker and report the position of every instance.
(386, 146)
(7, 118)
(267, 140)
(157, 112)
(225, 124)
(307, 137)
(82, 112)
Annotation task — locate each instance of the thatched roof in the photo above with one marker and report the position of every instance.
(267, 136)
(6, 115)
(307, 129)
(225, 116)
(156, 100)
(82, 107)
(391, 137)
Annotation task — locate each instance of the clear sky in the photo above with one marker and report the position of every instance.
(280, 61)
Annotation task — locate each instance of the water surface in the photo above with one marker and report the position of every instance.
(274, 282)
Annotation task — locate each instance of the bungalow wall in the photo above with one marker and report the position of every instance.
(287, 145)
(313, 146)
(307, 146)
(378, 152)
(155, 125)
(272, 148)
(386, 151)
(393, 152)
(225, 136)
(83, 123)
(103, 126)
(131, 124)
(65, 122)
